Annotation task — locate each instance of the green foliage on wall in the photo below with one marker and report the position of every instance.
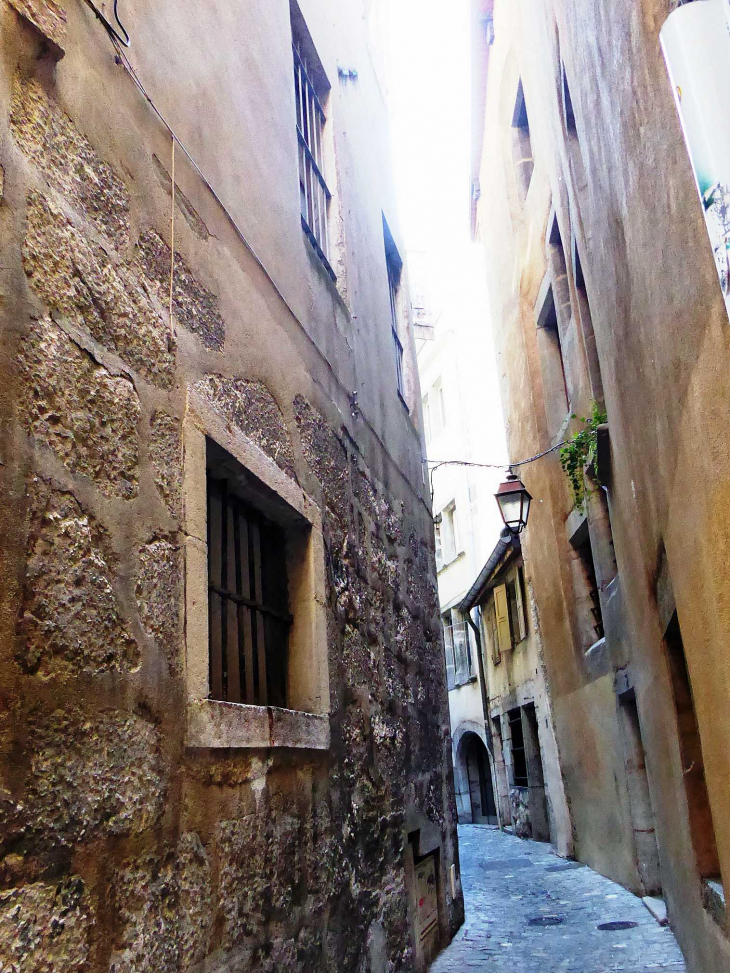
(580, 450)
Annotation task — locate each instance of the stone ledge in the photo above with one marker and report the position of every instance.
(212, 724)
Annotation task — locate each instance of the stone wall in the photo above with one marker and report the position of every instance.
(120, 849)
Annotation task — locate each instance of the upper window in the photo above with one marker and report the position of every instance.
(434, 412)
(522, 144)
(509, 621)
(311, 89)
(457, 645)
(447, 539)
(394, 266)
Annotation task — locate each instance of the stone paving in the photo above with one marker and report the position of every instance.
(510, 883)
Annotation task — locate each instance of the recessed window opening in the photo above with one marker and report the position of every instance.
(557, 397)
(519, 758)
(458, 647)
(568, 113)
(449, 650)
(434, 412)
(394, 266)
(516, 605)
(248, 588)
(702, 828)
(585, 554)
(448, 534)
(311, 90)
(586, 320)
(522, 144)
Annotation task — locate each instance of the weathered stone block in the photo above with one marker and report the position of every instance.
(70, 619)
(48, 18)
(194, 306)
(252, 408)
(159, 596)
(45, 928)
(93, 775)
(87, 416)
(77, 279)
(48, 137)
(326, 456)
(165, 452)
(166, 911)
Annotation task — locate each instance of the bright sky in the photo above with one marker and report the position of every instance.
(429, 82)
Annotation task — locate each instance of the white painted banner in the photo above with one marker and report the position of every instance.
(696, 44)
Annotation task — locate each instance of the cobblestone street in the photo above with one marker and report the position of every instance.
(512, 887)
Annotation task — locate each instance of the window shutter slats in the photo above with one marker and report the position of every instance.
(501, 607)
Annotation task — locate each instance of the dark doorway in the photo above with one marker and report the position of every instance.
(642, 814)
(481, 792)
(702, 827)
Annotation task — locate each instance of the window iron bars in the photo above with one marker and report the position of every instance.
(397, 344)
(247, 603)
(314, 195)
(519, 758)
(399, 365)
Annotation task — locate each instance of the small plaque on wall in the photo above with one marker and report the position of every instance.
(427, 906)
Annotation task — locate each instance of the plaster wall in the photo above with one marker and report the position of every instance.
(519, 679)
(622, 185)
(144, 852)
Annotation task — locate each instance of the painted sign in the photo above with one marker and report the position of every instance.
(696, 43)
(427, 905)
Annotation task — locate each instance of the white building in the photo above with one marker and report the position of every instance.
(463, 422)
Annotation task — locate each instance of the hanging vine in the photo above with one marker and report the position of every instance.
(579, 451)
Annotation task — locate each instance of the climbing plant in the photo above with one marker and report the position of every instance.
(580, 450)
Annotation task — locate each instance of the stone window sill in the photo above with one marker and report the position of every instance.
(453, 560)
(213, 724)
(713, 899)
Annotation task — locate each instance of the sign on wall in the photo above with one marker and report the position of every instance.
(427, 906)
(696, 44)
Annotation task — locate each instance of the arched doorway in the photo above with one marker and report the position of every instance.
(479, 777)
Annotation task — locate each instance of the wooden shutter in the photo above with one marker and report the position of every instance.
(520, 602)
(493, 638)
(501, 608)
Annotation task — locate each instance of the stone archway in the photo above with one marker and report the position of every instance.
(473, 775)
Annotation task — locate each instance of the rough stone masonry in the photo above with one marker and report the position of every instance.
(121, 849)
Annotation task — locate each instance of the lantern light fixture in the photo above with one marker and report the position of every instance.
(514, 502)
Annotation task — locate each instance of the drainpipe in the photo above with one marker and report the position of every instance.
(482, 682)
(475, 627)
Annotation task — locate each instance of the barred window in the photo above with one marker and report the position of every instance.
(248, 599)
(310, 90)
(394, 266)
(519, 758)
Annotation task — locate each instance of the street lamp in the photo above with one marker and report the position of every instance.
(514, 503)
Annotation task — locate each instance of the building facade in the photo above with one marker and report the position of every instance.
(224, 728)
(605, 300)
(454, 405)
(528, 784)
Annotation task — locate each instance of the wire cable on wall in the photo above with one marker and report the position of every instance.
(122, 59)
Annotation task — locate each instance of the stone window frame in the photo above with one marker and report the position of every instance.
(214, 724)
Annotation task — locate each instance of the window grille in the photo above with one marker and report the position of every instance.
(451, 671)
(393, 277)
(248, 607)
(519, 759)
(314, 195)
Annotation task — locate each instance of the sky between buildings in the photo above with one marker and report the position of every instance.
(429, 80)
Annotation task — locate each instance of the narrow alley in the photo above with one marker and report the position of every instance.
(529, 911)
